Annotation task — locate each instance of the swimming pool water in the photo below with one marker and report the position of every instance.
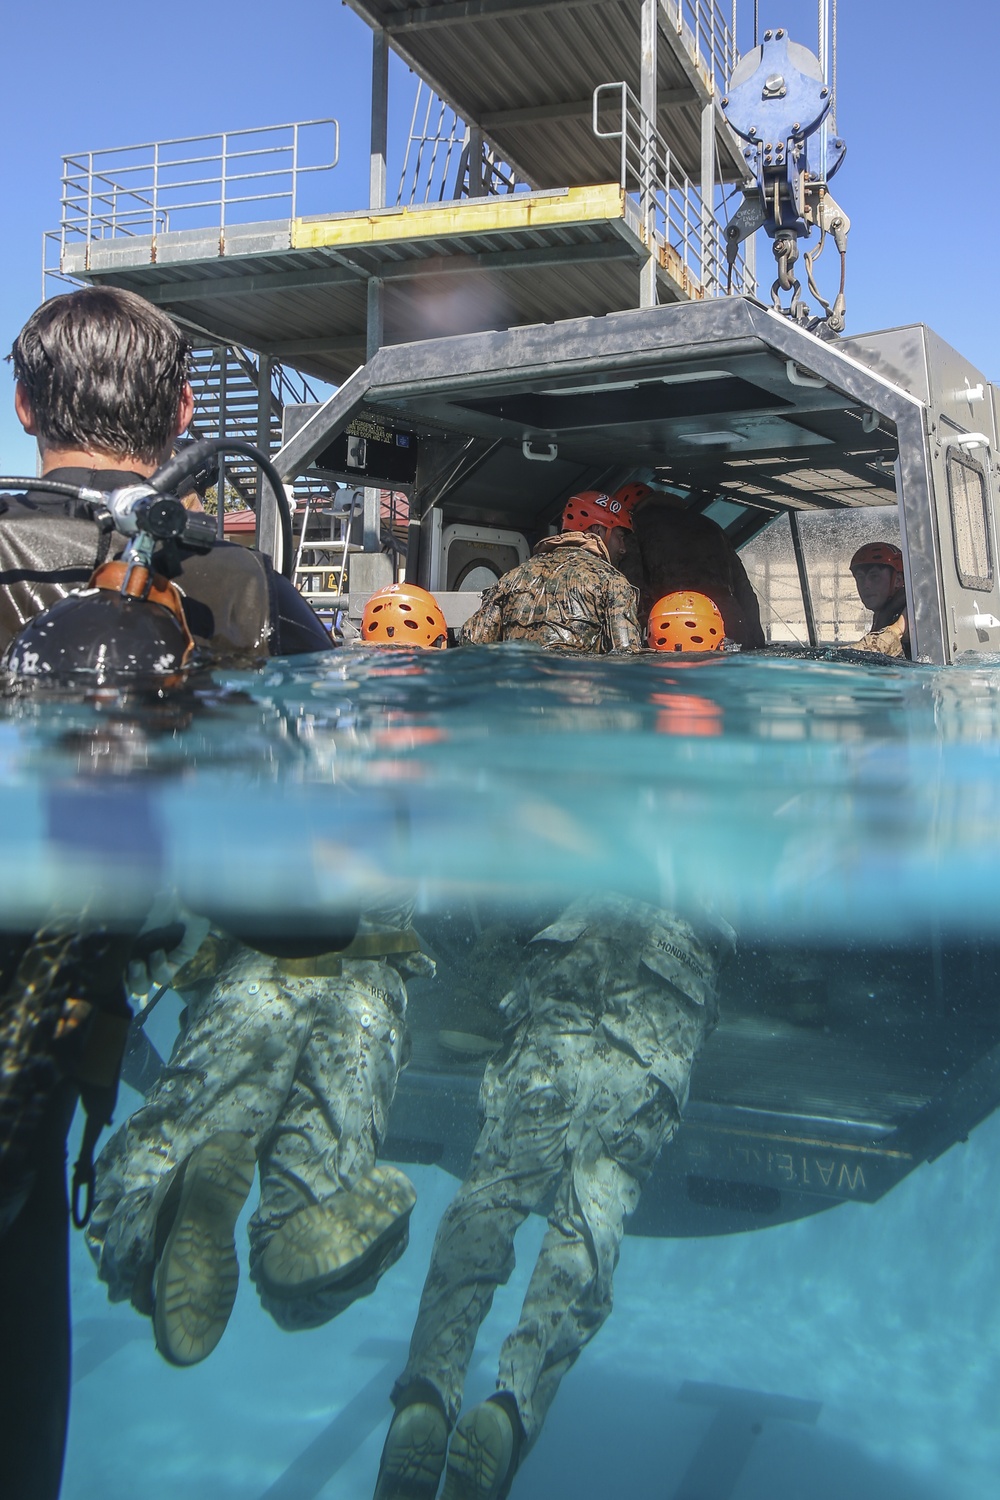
(824, 802)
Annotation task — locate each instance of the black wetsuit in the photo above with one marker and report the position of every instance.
(237, 606)
(235, 603)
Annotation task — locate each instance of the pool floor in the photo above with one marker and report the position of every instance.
(856, 1353)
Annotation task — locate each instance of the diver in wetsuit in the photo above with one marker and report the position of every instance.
(63, 1023)
(102, 384)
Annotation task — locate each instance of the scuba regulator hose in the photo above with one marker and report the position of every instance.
(192, 458)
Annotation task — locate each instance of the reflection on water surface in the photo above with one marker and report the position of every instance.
(784, 790)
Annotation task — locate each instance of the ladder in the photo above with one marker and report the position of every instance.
(321, 558)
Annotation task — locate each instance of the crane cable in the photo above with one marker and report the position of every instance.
(833, 71)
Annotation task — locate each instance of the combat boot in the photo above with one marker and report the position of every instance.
(414, 1453)
(483, 1454)
(194, 1285)
(341, 1239)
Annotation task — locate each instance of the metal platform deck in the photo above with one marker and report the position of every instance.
(524, 72)
(297, 289)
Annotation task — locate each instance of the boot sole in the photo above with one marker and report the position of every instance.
(328, 1243)
(414, 1455)
(198, 1273)
(479, 1457)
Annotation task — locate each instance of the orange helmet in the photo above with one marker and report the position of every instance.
(685, 622)
(629, 495)
(595, 508)
(402, 614)
(883, 555)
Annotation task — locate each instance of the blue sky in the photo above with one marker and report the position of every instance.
(916, 85)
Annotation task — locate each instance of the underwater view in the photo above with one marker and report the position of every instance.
(806, 1301)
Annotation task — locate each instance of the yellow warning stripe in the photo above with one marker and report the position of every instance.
(471, 216)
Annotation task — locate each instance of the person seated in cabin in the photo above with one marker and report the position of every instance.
(569, 593)
(289, 1064)
(878, 576)
(673, 549)
(102, 383)
(603, 1025)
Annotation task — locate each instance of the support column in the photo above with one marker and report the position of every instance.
(647, 98)
(220, 484)
(264, 405)
(477, 188)
(709, 229)
(371, 536)
(380, 113)
(267, 523)
(377, 179)
(376, 316)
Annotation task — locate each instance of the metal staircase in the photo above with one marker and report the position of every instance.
(226, 381)
(227, 394)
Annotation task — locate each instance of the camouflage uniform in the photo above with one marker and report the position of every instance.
(568, 594)
(609, 1017)
(880, 638)
(886, 642)
(304, 1066)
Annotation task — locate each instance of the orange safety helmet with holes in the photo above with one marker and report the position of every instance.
(630, 495)
(685, 622)
(881, 555)
(402, 614)
(595, 508)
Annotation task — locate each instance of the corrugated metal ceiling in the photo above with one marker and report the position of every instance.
(424, 296)
(487, 66)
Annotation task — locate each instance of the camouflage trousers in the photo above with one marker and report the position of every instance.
(306, 1068)
(569, 1111)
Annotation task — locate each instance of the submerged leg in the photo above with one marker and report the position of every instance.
(227, 1080)
(514, 1167)
(331, 1221)
(622, 1119)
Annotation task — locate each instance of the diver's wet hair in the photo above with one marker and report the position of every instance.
(103, 370)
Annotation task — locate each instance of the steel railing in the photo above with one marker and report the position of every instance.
(671, 207)
(209, 179)
(437, 163)
(709, 38)
(435, 141)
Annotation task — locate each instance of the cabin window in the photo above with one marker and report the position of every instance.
(829, 540)
(970, 523)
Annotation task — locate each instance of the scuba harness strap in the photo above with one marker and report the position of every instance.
(364, 945)
(64, 1019)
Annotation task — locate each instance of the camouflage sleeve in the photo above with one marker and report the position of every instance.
(886, 642)
(486, 625)
(621, 626)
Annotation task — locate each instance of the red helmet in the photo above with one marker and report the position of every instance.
(685, 622)
(402, 614)
(629, 495)
(883, 555)
(594, 508)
